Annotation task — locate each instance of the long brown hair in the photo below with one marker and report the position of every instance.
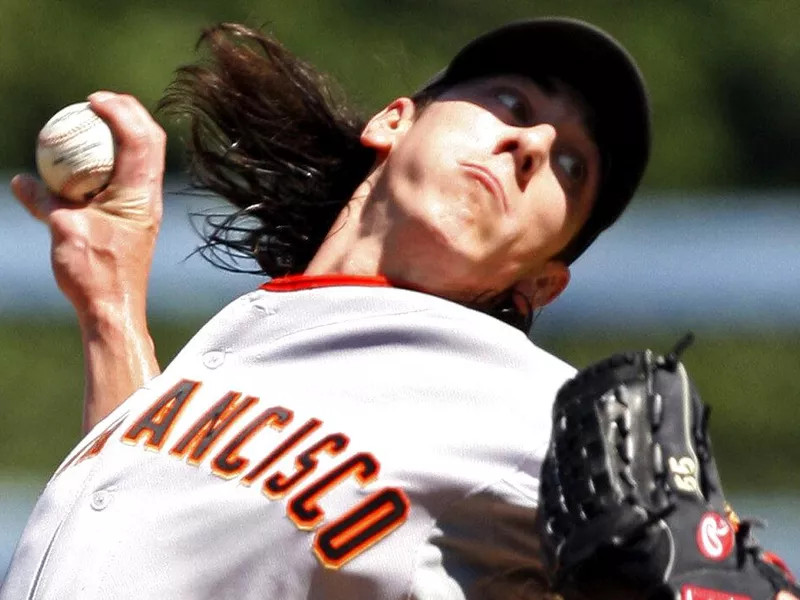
(272, 136)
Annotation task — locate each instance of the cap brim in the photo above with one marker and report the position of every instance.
(599, 69)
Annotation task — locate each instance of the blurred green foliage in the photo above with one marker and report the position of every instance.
(723, 74)
(748, 380)
(42, 388)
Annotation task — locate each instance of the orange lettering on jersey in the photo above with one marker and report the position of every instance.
(279, 484)
(155, 424)
(304, 509)
(93, 447)
(228, 464)
(293, 440)
(335, 542)
(361, 528)
(200, 438)
(99, 442)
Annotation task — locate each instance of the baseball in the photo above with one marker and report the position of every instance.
(75, 153)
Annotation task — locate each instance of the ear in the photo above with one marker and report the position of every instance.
(544, 286)
(386, 127)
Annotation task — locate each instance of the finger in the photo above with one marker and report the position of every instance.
(34, 196)
(785, 596)
(140, 141)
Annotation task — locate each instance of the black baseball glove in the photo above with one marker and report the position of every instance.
(631, 505)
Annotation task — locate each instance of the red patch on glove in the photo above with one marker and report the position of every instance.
(715, 536)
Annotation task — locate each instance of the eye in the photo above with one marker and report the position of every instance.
(516, 103)
(572, 165)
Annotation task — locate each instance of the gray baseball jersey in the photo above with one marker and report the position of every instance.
(321, 437)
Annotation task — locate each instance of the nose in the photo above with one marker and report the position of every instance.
(530, 147)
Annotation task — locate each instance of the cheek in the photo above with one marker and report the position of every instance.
(548, 225)
(426, 178)
(445, 135)
(532, 236)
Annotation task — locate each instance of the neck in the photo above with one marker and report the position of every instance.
(354, 245)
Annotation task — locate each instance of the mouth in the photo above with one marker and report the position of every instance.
(489, 181)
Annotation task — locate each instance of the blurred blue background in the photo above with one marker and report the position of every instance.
(719, 261)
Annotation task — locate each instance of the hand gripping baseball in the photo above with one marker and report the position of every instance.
(631, 504)
(102, 250)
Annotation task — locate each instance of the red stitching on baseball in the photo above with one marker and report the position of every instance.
(51, 140)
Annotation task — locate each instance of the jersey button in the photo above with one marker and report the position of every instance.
(213, 359)
(101, 500)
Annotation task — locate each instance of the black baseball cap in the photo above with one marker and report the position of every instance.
(602, 72)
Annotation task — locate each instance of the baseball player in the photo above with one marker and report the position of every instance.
(367, 424)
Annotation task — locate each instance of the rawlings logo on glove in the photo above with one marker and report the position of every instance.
(715, 537)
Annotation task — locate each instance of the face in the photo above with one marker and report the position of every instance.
(483, 187)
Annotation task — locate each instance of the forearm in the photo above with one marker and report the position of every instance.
(102, 250)
(119, 357)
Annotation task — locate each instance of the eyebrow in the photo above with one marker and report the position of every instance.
(554, 87)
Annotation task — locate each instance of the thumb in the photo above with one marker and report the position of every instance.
(33, 195)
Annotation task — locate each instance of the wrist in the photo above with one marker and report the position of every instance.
(120, 314)
(115, 324)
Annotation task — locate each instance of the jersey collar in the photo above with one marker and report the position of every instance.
(292, 283)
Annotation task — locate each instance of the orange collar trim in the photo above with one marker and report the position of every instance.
(292, 283)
